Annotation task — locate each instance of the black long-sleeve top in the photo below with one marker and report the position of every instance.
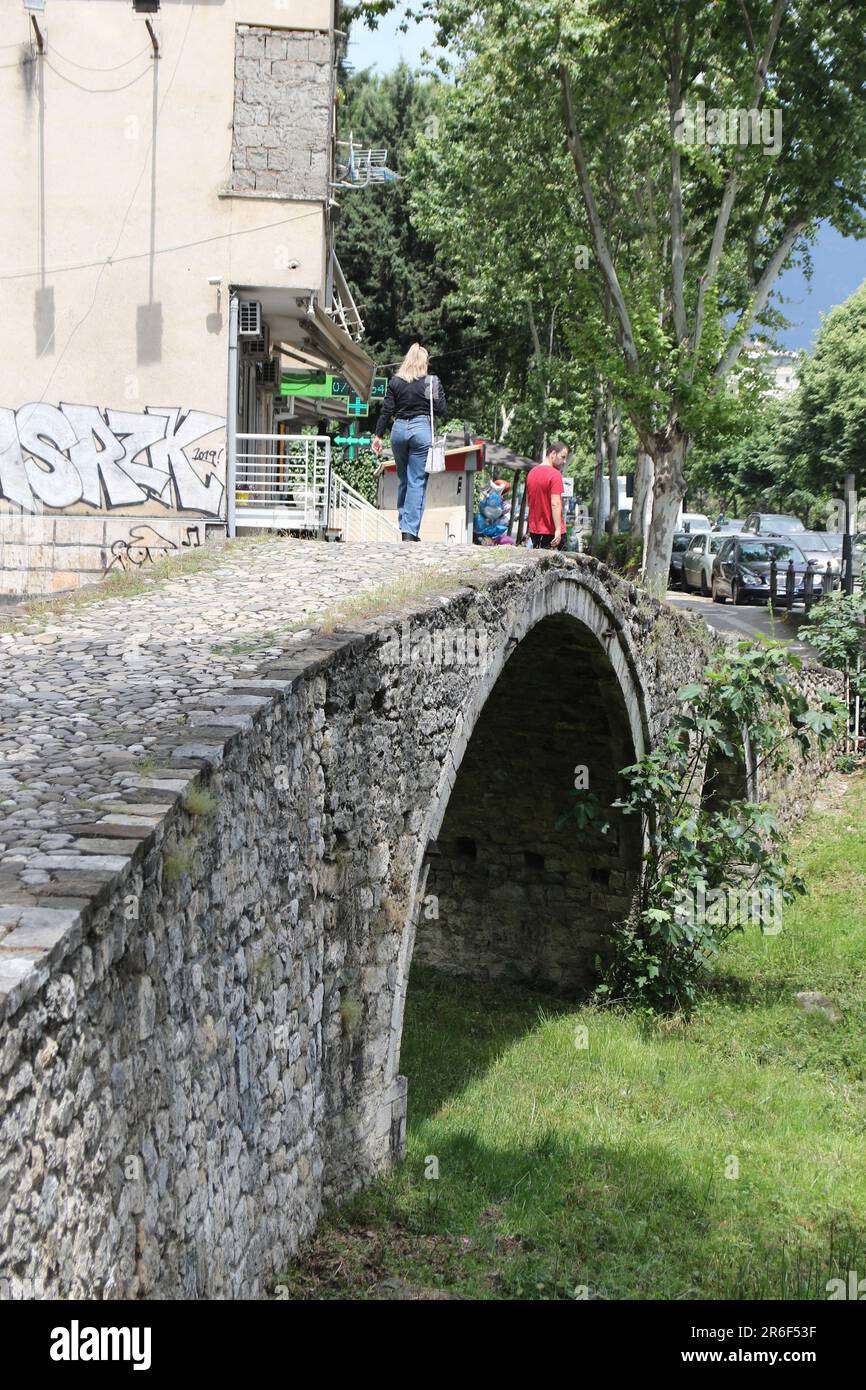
(406, 399)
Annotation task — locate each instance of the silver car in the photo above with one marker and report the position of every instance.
(698, 560)
(773, 524)
(821, 547)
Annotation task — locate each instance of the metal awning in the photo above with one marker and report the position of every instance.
(344, 311)
(330, 340)
(300, 327)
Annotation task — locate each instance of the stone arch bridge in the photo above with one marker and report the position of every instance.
(203, 978)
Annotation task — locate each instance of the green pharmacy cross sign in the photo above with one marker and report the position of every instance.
(352, 442)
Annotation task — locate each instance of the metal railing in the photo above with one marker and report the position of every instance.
(355, 517)
(282, 481)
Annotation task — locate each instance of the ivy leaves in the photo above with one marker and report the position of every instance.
(711, 857)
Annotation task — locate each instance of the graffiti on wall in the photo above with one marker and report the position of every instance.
(63, 456)
(144, 545)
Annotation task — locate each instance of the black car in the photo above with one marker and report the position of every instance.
(682, 541)
(741, 570)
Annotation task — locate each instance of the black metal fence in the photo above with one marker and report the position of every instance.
(816, 582)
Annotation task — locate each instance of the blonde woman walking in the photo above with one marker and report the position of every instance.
(407, 404)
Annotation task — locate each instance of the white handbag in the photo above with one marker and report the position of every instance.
(436, 452)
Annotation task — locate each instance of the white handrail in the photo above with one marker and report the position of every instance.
(351, 508)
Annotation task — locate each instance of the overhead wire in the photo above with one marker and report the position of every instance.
(162, 251)
(89, 310)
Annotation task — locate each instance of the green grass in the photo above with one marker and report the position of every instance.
(603, 1168)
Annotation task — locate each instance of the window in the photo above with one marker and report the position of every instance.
(762, 552)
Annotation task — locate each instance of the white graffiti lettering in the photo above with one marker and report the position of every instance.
(61, 456)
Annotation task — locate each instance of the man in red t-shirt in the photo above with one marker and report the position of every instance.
(544, 492)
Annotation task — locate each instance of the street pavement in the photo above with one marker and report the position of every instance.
(747, 620)
(87, 694)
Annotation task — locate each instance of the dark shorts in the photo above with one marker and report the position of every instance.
(541, 540)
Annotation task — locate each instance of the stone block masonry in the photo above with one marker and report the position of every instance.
(203, 968)
(282, 123)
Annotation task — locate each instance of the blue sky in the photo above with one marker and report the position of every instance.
(839, 262)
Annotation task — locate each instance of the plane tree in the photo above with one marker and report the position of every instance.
(748, 120)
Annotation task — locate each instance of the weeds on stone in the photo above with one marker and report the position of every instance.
(350, 1015)
(200, 803)
(178, 861)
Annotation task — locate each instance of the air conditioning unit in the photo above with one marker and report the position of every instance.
(269, 373)
(258, 349)
(249, 318)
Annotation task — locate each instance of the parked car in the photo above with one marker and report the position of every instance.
(773, 524)
(681, 542)
(741, 570)
(698, 560)
(695, 521)
(727, 528)
(822, 546)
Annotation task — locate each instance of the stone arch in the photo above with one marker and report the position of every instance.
(572, 621)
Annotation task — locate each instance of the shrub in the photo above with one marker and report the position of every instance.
(702, 847)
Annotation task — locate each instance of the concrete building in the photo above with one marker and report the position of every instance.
(168, 244)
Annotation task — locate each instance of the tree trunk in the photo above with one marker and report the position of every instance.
(613, 421)
(641, 499)
(669, 456)
(599, 491)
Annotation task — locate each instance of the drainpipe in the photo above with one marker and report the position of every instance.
(232, 418)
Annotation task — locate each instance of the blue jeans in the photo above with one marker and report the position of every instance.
(410, 440)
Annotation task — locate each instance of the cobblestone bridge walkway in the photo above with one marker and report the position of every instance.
(91, 698)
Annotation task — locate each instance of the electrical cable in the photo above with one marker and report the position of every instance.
(86, 315)
(87, 67)
(163, 251)
(95, 91)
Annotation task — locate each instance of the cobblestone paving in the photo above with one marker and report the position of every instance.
(98, 705)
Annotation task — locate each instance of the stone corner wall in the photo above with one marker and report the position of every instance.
(281, 142)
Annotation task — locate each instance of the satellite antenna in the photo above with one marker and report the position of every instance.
(360, 168)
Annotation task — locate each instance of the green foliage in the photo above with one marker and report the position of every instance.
(360, 473)
(827, 436)
(792, 455)
(835, 627)
(399, 283)
(696, 234)
(585, 812)
(623, 552)
(702, 846)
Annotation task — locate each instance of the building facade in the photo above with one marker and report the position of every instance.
(167, 246)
